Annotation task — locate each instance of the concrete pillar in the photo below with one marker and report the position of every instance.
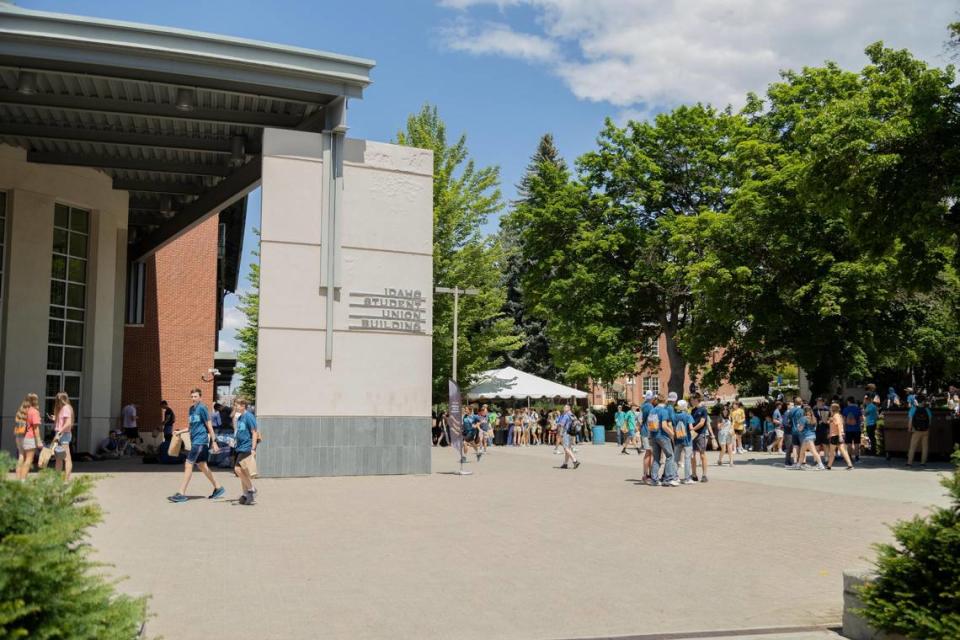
(366, 411)
(27, 300)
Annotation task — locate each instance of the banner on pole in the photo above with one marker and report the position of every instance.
(455, 418)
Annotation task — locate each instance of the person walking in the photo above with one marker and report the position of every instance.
(169, 420)
(63, 419)
(565, 433)
(246, 438)
(683, 441)
(26, 432)
(808, 435)
(836, 438)
(620, 422)
(919, 418)
(725, 437)
(822, 413)
(871, 415)
(739, 420)
(202, 441)
(649, 400)
(852, 426)
(702, 434)
(131, 430)
(631, 436)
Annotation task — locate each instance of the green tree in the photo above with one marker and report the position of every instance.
(49, 586)
(247, 335)
(464, 196)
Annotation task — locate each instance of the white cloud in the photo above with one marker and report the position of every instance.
(233, 318)
(643, 55)
(498, 39)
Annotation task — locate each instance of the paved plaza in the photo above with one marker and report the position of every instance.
(519, 550)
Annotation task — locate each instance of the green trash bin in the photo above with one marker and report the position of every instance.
(599, 435)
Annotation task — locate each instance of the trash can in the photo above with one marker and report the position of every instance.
(599, 435)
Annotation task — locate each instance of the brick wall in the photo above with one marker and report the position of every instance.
(164, 358)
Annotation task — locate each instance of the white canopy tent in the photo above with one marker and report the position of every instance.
(509, 383)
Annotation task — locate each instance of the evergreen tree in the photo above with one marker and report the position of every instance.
(247, 336)
(464, 196)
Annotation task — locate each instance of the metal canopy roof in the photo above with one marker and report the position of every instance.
(175, 117)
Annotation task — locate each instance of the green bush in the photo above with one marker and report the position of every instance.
(49, 586)
(917, 589)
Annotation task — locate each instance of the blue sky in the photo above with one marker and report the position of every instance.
(506, 71)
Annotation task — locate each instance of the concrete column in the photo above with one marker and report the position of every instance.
(368, 410)
(30, 249)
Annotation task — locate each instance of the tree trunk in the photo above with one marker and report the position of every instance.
(678, 364)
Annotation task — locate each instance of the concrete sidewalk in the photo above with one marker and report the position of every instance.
(520, 549)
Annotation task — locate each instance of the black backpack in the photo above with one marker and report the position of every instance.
(921, 419)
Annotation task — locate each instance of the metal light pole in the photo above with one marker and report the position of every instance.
(457, 292)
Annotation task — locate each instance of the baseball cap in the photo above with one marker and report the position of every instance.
(672, 396)
(648, 395)
(682, 405)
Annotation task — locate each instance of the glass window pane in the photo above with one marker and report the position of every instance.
(59, 267)
(79, 220)
(54, 358)
(74, 334)
(78, 270)
(3, 229)
(78, 245)
(74, 314)
(56, 312)
(58, 292)
(55, 332)
(61, 216)
(71, 384)
(53, 386)
(59, 241)
(72, 359)
(75, 295)
(48, 408)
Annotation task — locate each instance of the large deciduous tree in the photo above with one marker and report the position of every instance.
(464, 196)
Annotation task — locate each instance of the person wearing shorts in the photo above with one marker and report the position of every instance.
(471, 435)
(822, 413)
(726, 438)
(27, 434)
(247, 437)
(630, 421)
(852, 420)
(130, 429)
(683, 441)
(701, 433)
(836, 438)
(808, 436)
(739, 420)
(63, 419)
(564, 422)
(202, 439)
(645, 410)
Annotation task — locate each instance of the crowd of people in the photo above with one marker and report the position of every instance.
(674, 435)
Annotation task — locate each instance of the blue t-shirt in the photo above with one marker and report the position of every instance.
(768, 426)
(631, 421)
(700, 413)
(755, 423)
(198, 424)
(912, 400)
(246, 425)
(620, 418)
(563, 422)
(851, 413)
(795, 419)
(664, 413)
(468, 422)
(777, 417)
(645, 409)
(681, 429)
(871, 414)
(913, 411)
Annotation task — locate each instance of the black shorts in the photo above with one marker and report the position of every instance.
(834, 440)
(239, 456)
(131, 433)
(700, 444)
(853, 437)
(471, 435)
(823, 434)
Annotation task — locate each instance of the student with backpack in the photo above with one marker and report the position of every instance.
(918, 424)
(566, 430)
(683, 441)
(702, 434)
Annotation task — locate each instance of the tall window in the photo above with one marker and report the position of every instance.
(653, 348)
(135, 284)
(651, 383)
(68, 306)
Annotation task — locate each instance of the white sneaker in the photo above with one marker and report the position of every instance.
(687, 481)
(674, 483)
(820, 467)
(555, 452)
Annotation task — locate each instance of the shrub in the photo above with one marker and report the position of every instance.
(917, 588)
(49, 586)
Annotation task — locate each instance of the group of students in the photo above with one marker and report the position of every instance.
(671, 434)
(28, 433)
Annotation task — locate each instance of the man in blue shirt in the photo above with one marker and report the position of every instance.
(247, 438)
(852, 430)
(631, 439)
(471, 434)
(620, 422)
(645, 409)
(794, 420)
(701, 433)
(564, 422)
(202, 441)
(682, 439)
(662, 441)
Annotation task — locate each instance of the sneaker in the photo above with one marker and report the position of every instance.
(243, 499)
(673, 483)
(850, 468)
(479, 455)
(687, 481)
(576, 464)
(555, 452)
(695, 478)
(703, 479)
(820, 467)
(653, 483)
(178, 497)
(624, 452)
(576, 449)
(791, 467)
(564, 466)
(730, 464)
(219, 491)
(463, 459)
(251, 497)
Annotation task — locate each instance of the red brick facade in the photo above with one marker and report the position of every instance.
(164, 358)
(630, 389)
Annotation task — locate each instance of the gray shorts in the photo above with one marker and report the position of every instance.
(725, 436)
(61, 449)
(645, 443)
(26, 444)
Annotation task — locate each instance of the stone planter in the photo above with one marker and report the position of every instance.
(943, 433)
(855, 627)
